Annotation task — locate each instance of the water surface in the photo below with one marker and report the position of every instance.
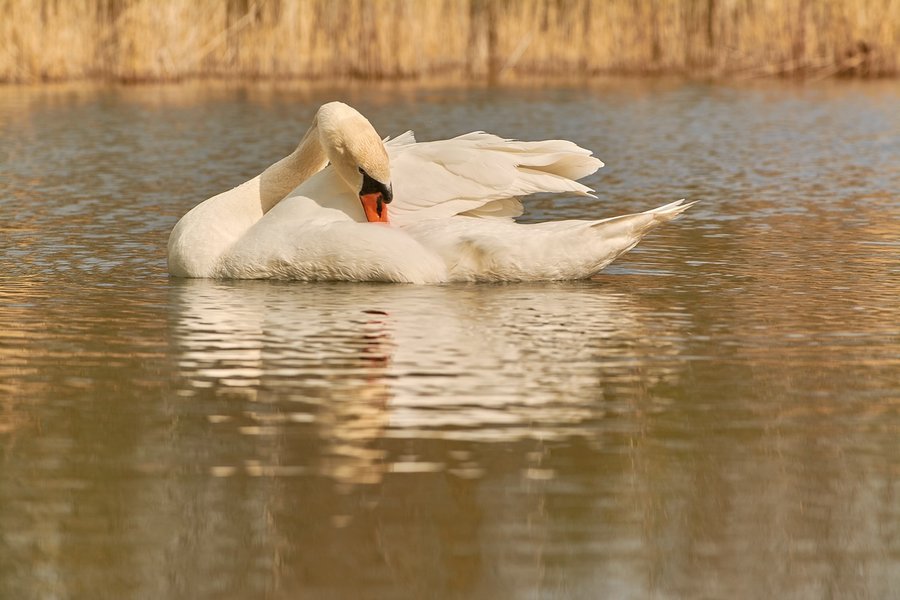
(715, 415)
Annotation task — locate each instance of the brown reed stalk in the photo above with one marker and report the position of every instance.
(151, 40)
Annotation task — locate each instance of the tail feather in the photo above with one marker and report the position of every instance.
(621, 234)
(641, 223)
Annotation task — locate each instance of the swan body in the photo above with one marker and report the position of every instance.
(347, 206)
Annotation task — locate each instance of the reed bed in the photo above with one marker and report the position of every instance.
(152, 40)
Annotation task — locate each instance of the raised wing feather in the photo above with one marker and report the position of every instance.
(480, 174)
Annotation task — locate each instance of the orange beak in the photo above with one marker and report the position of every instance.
(375, 207)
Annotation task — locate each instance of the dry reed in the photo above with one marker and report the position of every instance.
(147, 40)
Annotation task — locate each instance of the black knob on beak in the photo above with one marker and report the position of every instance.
(373, 186)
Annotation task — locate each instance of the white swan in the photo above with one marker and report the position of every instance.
(451, 218)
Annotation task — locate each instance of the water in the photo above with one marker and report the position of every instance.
(715, 415)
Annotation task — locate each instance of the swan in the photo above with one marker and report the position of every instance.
(347, 205)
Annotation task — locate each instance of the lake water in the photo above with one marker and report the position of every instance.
(715, 415)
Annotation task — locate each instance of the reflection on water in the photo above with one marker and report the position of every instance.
(715, 415)
(470, 363)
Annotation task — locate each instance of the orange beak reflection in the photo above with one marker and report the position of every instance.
(375, 207)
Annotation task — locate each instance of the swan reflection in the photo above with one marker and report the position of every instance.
(463, 362)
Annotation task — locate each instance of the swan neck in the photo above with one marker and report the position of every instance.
(280, 179)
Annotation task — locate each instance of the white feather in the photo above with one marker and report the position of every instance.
(466, 173)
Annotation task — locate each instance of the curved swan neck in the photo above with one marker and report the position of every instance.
(280, 179)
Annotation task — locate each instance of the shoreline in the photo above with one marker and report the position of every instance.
(135, 41)
(524, 81)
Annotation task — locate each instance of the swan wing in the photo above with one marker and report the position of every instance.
(500, 250)
(481, 175)
(299, 239)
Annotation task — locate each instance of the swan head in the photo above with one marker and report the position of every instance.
(357, 153)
